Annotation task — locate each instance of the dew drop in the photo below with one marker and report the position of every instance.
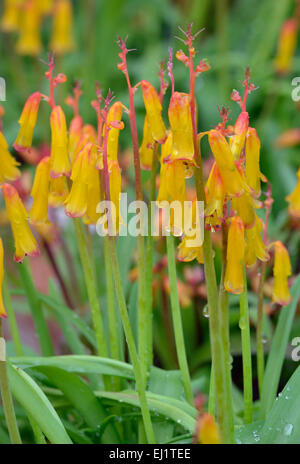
(288, 429)
(206, 311)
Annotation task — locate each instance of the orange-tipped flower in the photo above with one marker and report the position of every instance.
(27, 122)
(40, 192)
(62, 39)
(294, 199)
(75, 132)
(255, 247)
(234, 275)
(208, 430)
(253, 174)
(181, 125)
(287, 45)
(153, 110)
(215, 193)
(2, 308)
(77, 200)
(8, 170)
(233, 181)
(282, 270)
(146, 149)
(29, 42)
(114, 114)
(25, 242)
(60, 163)
(11, 16)
(240, 130)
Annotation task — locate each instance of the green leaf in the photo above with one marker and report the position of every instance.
(83, 399)
(282, 425)
(79, 364)
(278, 350)
(37, 405)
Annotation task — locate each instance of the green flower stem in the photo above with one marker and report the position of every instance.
(36, 310)
(111, 308)
(14, 330)
(131, 343)
(246, 353)
(91, 286)
(149, 262)
(177, 321)
(8, 406)
(211, 395)
(259, 330)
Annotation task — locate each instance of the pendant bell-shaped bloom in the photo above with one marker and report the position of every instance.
(60, 163)
(208, 430)
(215, 193)
(75, 133)
(88, 135)
(287, 45)
(25, 242)
(29, 42)
(282, 270)
(62, 39)
(153, 110)
(27, 122)
(8, 164)
(240, 130)
(187, 253)
(147, 147)
(294, 199)
(40, 193)
(181, 124)
(243, 207)
(58, 192)
(11, 16)
(2, 308)
(94, 198)
(255, 247)
(252, 168)
(233, 181)
(114, 114)
(235, 260)
(77, 200)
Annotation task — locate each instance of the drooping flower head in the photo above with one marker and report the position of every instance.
(40, 192)
(294, 199)
(25, 242)
(27, 122)
(255, 246)
(60, 163)
(29, 42)
(11, 16)
(153, 110)
(62, 38)
(235, 258)
(8, 164)
(114, 114)
(181, 125)
(240, 131)
(252, 168)
(282, 270)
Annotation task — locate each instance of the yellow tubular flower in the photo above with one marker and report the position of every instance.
(114, 114)
(60, 163)
(88, 134)
(240, 131)
(40, 192)
(146, 149)
(8, 169)
(243, 207)
(153, 111)
(25, 242)
(294, 199)
(62, 40)
(75, 132)
(46, 6)
(11, 16)
(187, 253)
(234, 275)
(282, 270)
(253, 174)
(287, 45)
(58, 192)
(77, 200)
(2, 308)
(181, 124)
(255, 247)
(233, 181)
(208, 431)
(27, 122)
(94, 198)
(215, 193)
(29, 42)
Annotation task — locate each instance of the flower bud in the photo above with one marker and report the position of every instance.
(181, 125)
(153, 110)
(62, 40)
(282, 270)
(27, 122)
(40, 192)
(60, 163)
(235, 259)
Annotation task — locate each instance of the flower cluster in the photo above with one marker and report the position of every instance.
(26, 17)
